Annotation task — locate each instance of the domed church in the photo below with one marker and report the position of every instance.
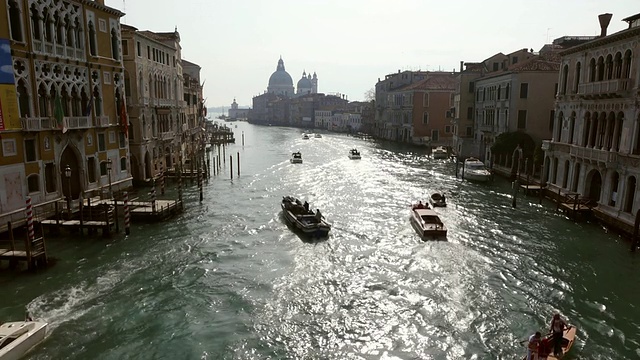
(280, 83)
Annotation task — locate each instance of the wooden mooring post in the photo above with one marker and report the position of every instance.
(238, 163)
(231, 166)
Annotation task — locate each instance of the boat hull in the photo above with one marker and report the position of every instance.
(354, 157)
(569, 337)
(306, 223)
(296, 161)
(427, 231)
(24, 342)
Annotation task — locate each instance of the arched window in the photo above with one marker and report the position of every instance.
(586, 128)
(23, 99)
(615, 178)
(92, 39)
(600, 69)
(35, 23)
(78, 34)
(499, 92)
(630, 193)
(506, 92)
(577, 80)
(15, 20)
(97, 101)
(617, 66)
(609, 67)
(33, 183)
(75, 103)
(565, 175)
(59, 28)
(69, 32)
(565, 73)
(115, 44)
(64, 96)
(572, 124)
(48, 26)
(592, 70)
(43, 101)
(626, 65)
(85, 106)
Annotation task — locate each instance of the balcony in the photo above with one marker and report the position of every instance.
(102, 121)
(486, 127)
(60, 50)
(594, 155)
(603, 89)
(548, 145)
(169, 135)
(37, 124)
(145, 101)
(77, 122)
(164, 102)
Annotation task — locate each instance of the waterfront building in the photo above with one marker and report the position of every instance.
(464, 108)
(154, 89)
(236, 113)
(64, 123)
(595, 146)
(517, 97)
(192, 137)
(322, 119)
(393, 106)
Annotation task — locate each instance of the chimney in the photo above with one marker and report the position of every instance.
(604, 23)
(461, 64)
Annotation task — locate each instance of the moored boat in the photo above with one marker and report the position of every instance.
(427, 224)
(438, 200)
(305, 137)
(439, 153)
(303, 219)
(296, 158)
(545, 350)
(354, 154)
(17, 338)
(317, 136)
(474, 170)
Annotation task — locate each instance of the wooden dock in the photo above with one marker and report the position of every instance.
(34, 253)
(148, 212)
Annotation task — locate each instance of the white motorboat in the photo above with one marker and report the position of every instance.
(354, 154)
(305, 137)
(438, 200)
(474, 170)
(317, 136)
(439, 153)
(298, 216)
(296, 158)
(17, 338)
(427, 224)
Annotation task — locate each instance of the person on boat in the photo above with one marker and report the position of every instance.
(545, 348)
(533, 345)
(557, 328)
(306, 206)
(318, 215)
(420, 205)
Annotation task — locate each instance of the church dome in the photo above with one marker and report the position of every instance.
(280, 77)
(304, 83)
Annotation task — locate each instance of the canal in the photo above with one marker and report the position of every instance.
(229, 280)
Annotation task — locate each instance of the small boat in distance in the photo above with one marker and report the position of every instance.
(317, 136)
(17, 338)
(296, 158)
(439, 153)
(354, 154)
(427, 224)
(474, 170)
(438, 200)
(303, 219)
(305, 137)
(546, 348)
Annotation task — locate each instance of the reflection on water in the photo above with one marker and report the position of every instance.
(229, 279)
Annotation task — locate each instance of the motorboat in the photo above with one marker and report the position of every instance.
(475, 170)
(296, 158)
(545, 349)
(17, 338)
(427, 224)
(301, 218)
(354, 154)
(305, 137)
(438, 200)
(317, 136)
(439, 153)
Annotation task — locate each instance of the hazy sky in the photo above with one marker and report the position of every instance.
(352, 43)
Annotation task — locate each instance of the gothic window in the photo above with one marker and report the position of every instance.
(92, 39)
(48, 26)
(617, 66)
(577, 81)
(43, 101)
(600, 69)
(79, 36)
(68, 29)
(59, 28)
(592, 70)
(84, 104)
(97, 100)
(609, 67)
(626, 65)
(35, 23)
(154, 130)
(23, 99)
(75, 103)
(64, 95)
(14, 19)
(565, 75)
(114, 44)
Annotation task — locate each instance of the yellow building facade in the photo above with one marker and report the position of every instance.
(63, 93)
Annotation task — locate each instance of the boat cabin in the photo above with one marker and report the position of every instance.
(296, 155)
(354, 152)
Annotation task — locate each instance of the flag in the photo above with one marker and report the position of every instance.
(124, 122)
(87, 111)
(58, 114)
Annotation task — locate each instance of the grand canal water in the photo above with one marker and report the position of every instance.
(229, 280)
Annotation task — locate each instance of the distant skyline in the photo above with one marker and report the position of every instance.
(352, 43)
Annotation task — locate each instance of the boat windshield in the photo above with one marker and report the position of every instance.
(476, 166)
(430, 219)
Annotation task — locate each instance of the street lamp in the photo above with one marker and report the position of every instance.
(109, 174)
(67, 174)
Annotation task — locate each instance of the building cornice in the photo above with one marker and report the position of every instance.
(98, 6)
(620, 35)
